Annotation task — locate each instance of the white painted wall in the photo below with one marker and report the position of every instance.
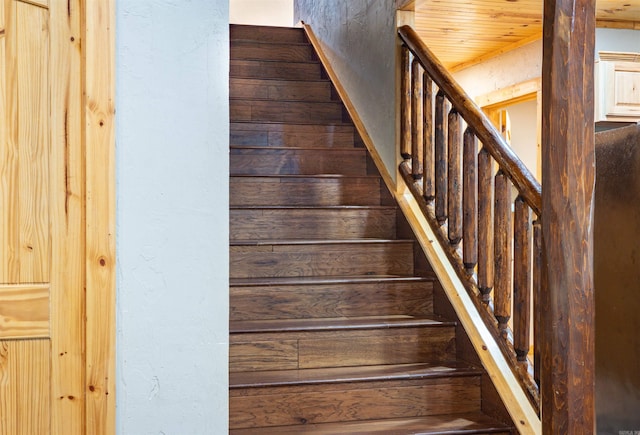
(625, 40)
(359, 38)
(261, 12)
(524, 134)
(172, 216)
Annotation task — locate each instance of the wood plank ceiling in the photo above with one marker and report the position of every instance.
(463, 32)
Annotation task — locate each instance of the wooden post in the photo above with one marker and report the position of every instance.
(567, 305)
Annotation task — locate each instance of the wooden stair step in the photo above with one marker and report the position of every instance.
(267, 34)
(297, 299)
(253, 259)
(268, 69)
(324, 190)
(334, 324)
(337, 222)
(352, 401)
(302, 112)
(280, 90)
(247, 160)
(320, 280)
(472, 423)
(255, 50)
(336, 375)
(292, 135)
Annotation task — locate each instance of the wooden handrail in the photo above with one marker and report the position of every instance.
(520, 176)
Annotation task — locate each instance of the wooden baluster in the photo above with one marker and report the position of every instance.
(502, 252)
(441, 158)
(417, 123)
(522, 279)
(470, 201)
(454, 178)
(405, 105)
(428, 187)
(537, 289)
(485, 225)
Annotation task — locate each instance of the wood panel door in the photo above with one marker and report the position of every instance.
(48, 224)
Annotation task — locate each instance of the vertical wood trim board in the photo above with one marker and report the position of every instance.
(67, 191)
(99, 70)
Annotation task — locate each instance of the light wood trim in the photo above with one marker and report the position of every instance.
(513, 94)
(24, 311)
(498, 368)
(615, 24)
(39, 3)
(406, 5)
(485, 57)
(99, 68)
(67, 193)
(357, 121)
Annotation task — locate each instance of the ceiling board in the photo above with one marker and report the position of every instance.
(463, 32)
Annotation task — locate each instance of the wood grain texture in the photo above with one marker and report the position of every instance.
(252, 50)
(291, 111)
(470, 200)
(67, 190)
(25, 238)
(568, 169)
(522, 279)
(312, 223)
(292, 135)
(24, 311)
(99, 57)
(441, 160)
(275, 70)
(323, 190)
(24, 387)
(537, 295)
(454, 178)
(485, 225)
(263, 355)
(362, 297)
(428, 166)
(405, 104)
(267, 34)
(417, 124)
(296, 161)
(279, 90)
(322, 259)
(354, 401)
(502, 252)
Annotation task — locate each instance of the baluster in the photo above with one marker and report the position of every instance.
(522, 279)
(428, 187)
(441, 158)
(470, 201)
(502, 252)
(416, 120)
(537, 292)
(454, 176)
(485, 225)
(405, 106)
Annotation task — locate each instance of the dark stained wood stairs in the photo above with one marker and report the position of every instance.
(337, 324)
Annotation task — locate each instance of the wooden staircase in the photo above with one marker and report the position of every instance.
(337, 324)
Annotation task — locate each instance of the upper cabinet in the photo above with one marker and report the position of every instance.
(617, 87)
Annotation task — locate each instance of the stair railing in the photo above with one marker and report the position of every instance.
(481, 201)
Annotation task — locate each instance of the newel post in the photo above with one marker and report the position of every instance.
(567, 305)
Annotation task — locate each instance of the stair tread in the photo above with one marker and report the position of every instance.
(311, 177)
(387, 372)
(444, 424)
(275, 81)
(316, 242)
(302, 280)
(312, 207)
(319, 149)
(336, 323)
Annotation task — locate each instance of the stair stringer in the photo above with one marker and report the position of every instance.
(522, 412)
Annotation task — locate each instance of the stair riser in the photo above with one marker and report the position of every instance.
(352, 402)
(252, 161)
(272, 51)
(342, 348)
(275, 70)
(279, 90)
(267, 34)
(248, 191)
(334, 300)
(278, 111)
(292, 135)
(321, 260)
(249, 224)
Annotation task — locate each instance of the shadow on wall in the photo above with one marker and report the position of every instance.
(261, 12)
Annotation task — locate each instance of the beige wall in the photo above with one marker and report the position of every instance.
(261, 12)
